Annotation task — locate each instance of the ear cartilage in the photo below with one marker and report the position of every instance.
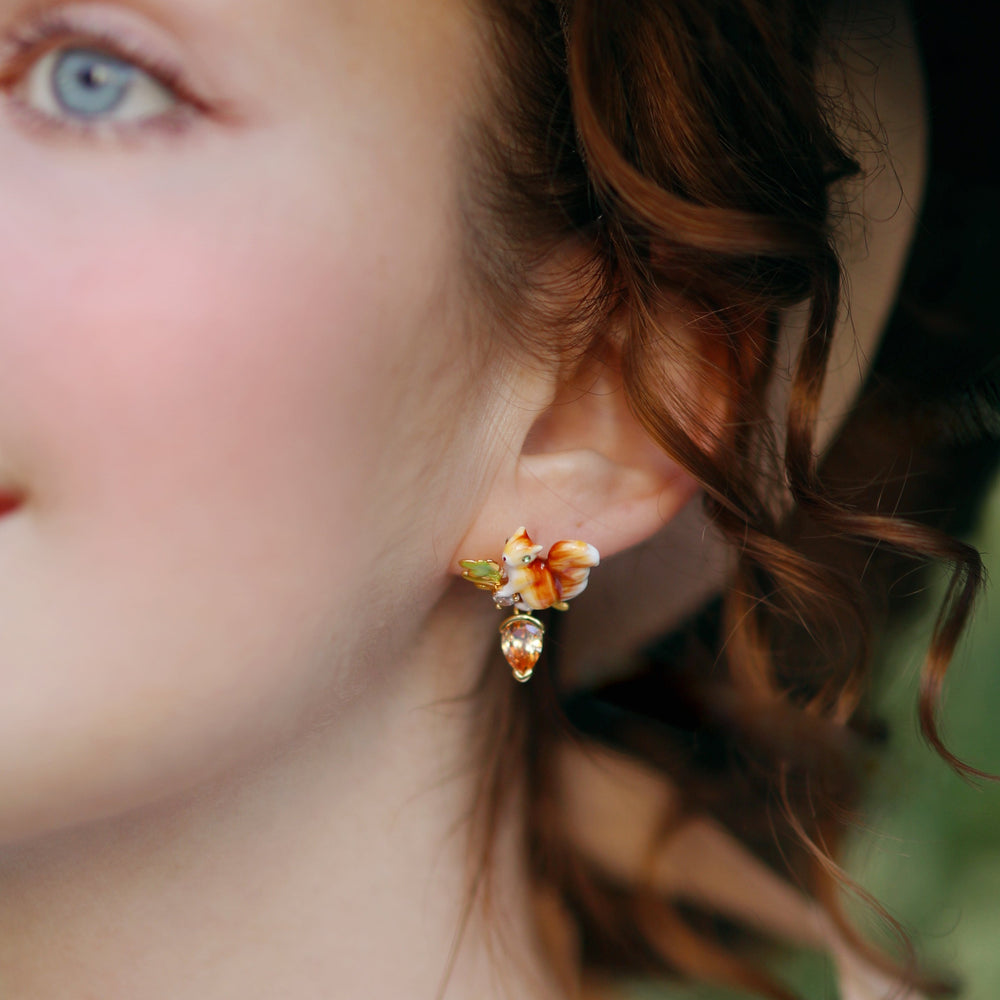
(526, 582)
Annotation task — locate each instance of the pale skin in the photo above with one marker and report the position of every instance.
(255, 418)
(255, 422)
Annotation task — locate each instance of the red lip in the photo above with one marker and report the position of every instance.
(9, 502)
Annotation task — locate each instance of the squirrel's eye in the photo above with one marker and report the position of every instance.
(526, 559)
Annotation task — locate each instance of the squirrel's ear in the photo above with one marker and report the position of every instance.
(586, 470)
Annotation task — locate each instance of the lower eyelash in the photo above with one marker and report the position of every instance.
(173, 122)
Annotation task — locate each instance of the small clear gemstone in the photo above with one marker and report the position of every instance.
(521, 643)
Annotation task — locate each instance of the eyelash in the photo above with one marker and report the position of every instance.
(23, 46)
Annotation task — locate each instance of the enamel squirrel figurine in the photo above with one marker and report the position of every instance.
(534, 583)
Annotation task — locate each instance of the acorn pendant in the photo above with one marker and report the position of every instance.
(525, 582)
(521, 644)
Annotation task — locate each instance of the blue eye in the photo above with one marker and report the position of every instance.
(88, 83)
(89, 86)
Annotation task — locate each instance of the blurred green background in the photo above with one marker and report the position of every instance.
(931, 849)
(933, 852)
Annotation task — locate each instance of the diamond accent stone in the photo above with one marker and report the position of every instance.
(521, 642)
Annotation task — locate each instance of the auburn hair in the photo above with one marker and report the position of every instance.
(683, 150)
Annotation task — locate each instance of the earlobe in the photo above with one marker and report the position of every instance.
(587, 469)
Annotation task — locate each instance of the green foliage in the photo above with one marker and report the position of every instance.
(930, 848)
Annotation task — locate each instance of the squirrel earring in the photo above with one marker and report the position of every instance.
(528, 583)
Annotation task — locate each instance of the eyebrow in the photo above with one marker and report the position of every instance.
(167, 15)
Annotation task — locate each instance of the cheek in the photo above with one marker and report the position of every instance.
(191, 389)
(210, 414)
(204, 357)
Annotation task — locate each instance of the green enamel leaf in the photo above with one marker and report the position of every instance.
(484, 573)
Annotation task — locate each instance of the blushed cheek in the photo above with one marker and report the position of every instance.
(148, 362)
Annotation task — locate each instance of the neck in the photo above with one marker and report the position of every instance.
(336, 868)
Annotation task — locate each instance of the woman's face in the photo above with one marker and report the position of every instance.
(234, 363)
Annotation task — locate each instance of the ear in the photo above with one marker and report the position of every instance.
(586, 470)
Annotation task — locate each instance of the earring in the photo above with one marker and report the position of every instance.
(524, 581)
